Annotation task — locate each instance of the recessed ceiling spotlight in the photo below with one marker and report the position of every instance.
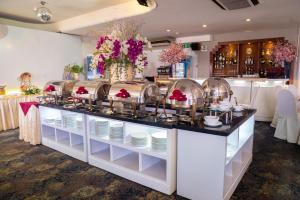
(168, 30)
(248, 20)
(176, 33)
(204, 25)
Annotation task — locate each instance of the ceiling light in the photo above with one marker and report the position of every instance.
(168, 30)
(204, 25)
(248, 20)
(176, 33)
(43, 13)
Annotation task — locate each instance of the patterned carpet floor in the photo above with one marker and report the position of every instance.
(38, 172)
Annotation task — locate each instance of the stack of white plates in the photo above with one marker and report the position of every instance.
(49, 120)
(116, 131)
(101, 127)
(139, 139)
(58, 122)
(69, 121)
(79, 124)
(159, 141)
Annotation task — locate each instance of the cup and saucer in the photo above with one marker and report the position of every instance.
(212, 121)
(238, 108)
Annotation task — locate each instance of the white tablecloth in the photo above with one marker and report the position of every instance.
(9, 105)
(30, 125)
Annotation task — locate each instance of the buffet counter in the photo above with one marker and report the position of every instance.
(259, 93)
(216, 158)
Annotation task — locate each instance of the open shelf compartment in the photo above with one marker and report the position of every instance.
(48, 132)
(99, 150)
(153, 167)
(77, 142)
(63, 137)
(73, 122)
(50, 117)
(125, 158)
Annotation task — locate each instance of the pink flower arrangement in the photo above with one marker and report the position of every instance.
(111, 49)
(173, 54)
(284, 51)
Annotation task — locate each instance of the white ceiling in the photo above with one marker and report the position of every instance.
(61, 9)
(183, 16)
(188, 16)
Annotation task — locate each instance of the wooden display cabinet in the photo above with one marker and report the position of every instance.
(230, 59)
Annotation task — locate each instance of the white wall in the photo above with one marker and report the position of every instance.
(43, 54)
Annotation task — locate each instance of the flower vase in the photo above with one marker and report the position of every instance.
(121, 72)
(76, 76)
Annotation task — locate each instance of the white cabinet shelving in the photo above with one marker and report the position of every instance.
(216, 163)
(64, 131)
(149, 167)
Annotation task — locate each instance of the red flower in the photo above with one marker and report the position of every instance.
(123, 94)
(50, 88)
(82, 90)
(178, 96)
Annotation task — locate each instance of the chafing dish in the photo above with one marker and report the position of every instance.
(186, 95)
(61, 87)
(216, 88)
(95, 91)
(164, 85)
(190, 89)
(133, 96)
(57, 90)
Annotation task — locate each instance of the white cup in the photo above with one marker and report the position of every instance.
(211, 119)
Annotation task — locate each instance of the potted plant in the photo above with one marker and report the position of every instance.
(75, 70)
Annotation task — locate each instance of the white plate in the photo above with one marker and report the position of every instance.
(213, 125)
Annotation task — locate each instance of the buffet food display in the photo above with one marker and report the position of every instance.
(186, 97)
(120, 132)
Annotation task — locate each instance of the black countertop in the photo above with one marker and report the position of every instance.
(225, 130)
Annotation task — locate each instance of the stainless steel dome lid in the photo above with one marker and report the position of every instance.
(142, 92)
(190, 89)
(215, 87)
(61, 87)
(97, 89)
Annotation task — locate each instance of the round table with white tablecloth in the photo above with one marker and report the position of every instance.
(9, 105)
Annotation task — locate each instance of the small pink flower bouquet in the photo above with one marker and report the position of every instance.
(173, 54)
(284, 52)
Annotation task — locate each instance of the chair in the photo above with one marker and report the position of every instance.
(288, 123)
(294, 91)
(277, 89)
